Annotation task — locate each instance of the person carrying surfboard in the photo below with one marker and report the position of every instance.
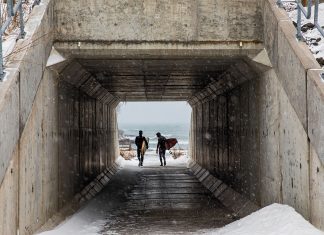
(141, 144)
(161, 148)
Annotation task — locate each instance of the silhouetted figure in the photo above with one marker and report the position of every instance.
(160, 148)
(139, 141)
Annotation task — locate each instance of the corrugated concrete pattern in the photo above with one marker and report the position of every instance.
(158, 20)
(259, 145)
(88, 139)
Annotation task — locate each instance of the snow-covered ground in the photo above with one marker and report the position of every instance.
(11, 35)
(314, 39)
(275, 219)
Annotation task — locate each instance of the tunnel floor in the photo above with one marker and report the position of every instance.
(151, 200)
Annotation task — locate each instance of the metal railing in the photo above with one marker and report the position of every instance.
(308, 14)
(14, 8)
(12, 11)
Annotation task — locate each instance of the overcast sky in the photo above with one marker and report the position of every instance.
(154, 112)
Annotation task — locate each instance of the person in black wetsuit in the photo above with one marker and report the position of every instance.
(139, 142)
(160, 148)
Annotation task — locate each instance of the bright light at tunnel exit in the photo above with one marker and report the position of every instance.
(154, 113)
(172, 119)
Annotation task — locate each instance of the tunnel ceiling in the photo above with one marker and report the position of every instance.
(156, 79)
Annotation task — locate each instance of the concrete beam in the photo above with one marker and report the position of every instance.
(157, 49)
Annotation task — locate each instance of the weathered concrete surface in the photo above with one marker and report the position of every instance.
(18, 91)
(287, 54)
(88, 141)
(252, 138)
(87, 193)
(9, 198)
(315, 98)
(38, 160)
(316, 189)
(143, 20)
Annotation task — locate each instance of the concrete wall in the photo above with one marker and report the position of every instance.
(39, 123)
(265, 137)
(255, 142)
(88, 140)
(69, 139)
(299, 75)
(158, 20)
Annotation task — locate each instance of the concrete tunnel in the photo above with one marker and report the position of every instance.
(255, 93)
(222, 91)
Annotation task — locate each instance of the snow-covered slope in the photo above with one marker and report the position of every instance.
(275, 219)
(314, 39)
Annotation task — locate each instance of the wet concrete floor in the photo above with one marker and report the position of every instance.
(160, 200)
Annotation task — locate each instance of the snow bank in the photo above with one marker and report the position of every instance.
(275, 219)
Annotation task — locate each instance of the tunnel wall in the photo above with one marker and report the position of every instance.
(88, 139)
(69, 138)
(152, 20)
(38, 173)
(252, 139)
(265, 137)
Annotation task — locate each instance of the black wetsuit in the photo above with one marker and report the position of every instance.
(161, 148)
(139, 142)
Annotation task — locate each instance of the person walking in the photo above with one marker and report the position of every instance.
(160, 148)
(139, 141)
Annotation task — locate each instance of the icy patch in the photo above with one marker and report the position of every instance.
(275, 219)
(314, 39)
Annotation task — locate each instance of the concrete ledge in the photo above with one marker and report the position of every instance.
(233, 200)
(89, 192)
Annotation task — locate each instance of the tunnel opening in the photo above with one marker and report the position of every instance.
(171, 119)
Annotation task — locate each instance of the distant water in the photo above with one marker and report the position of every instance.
(179, 131)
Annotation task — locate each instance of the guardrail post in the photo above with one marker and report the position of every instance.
(22, 26)
(10, 8)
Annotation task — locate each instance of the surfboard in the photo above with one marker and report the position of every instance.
(169, 143)
(144, 148)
